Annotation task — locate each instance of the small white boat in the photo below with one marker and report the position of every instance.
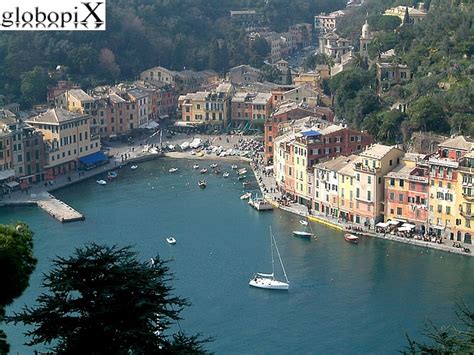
(184, 145)
(225, 175)
(213, 166)
(303, 222)
(195, 166)
(173, 170)
(202, 184)
(351, 238)
(101, 182)
(193, 152)
(242, 171)
(134, 167)
(203, 171)
(246, 196)
(234, 167)
(302, 234)
(171, 240)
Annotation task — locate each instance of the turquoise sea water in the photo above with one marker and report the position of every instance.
(343, 298)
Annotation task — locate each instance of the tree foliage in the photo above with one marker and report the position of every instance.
(447, 339)
(103, 300)
(142, 34)
(17, 263)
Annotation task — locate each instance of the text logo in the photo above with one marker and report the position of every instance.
(52, 15)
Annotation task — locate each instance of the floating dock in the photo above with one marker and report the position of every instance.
(60, 210)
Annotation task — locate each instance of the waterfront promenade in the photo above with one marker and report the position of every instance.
(266, 181)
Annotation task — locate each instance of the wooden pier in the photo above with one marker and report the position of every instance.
(60, 210)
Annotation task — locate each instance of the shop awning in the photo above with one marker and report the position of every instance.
(408, 225)
(12, 184)
(94, 158)
(382, 225)
(7, 174)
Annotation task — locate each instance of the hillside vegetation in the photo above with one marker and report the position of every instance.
(439, 51)
(192, 34)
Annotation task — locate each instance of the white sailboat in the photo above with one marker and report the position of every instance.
(268, 281)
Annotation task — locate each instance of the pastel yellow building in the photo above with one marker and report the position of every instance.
(67, 137)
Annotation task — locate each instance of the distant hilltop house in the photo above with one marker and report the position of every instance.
(324, 23)
(389, 74)
(246, 17)
(414, 15)
(182, 81)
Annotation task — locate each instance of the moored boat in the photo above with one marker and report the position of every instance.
(351, 238)
(203, 171)
(213, 166)
(268, 281)
(302, 234)
(303, 222)
(202, 184)
(246, 196)
(173, 170)
(260, 204)
(234, 167)
(242, 171)
(101, 182)
(111, 175)
(225, 175)
(170, 240)
(134, 167)
(195, 166)
(242, 177)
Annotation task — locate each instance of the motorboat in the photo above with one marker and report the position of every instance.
(202, 184)
(303, 234)
(101, 182)
(200, 154)
(242, 177)
(111, 175)
(226, 174)
(246, 184)
(351, 238)
(134, 167)
(184, 145)
(173, 170)
(203, 171)
(260, 204)
(171, 240)
(242, 171)
(192, 152)
(195, 166)
(234, 167)
(213, 166)
(268, 281)
(303, 222)
(246, 196)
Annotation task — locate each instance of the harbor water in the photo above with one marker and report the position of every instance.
(343, 298)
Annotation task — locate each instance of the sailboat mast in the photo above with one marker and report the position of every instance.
(271, 248)
(281, 262)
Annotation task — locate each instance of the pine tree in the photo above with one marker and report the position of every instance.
(102, 300)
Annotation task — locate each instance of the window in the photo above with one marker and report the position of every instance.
(400, 198)
(392, 196)
(369, 180)
(402, 183)
(440, 208)
(448, 210)
(369, 196)
(399, 211)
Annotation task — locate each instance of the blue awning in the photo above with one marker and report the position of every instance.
(311, 133)
(94, 158)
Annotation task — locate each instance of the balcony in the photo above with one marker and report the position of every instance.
(468, 197)
(444, 162)
(365, 169)
(466, 214)
(415, 178)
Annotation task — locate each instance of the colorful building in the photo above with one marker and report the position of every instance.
(370, 170)
(465, 196)
(407, 192)
(67, 138)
